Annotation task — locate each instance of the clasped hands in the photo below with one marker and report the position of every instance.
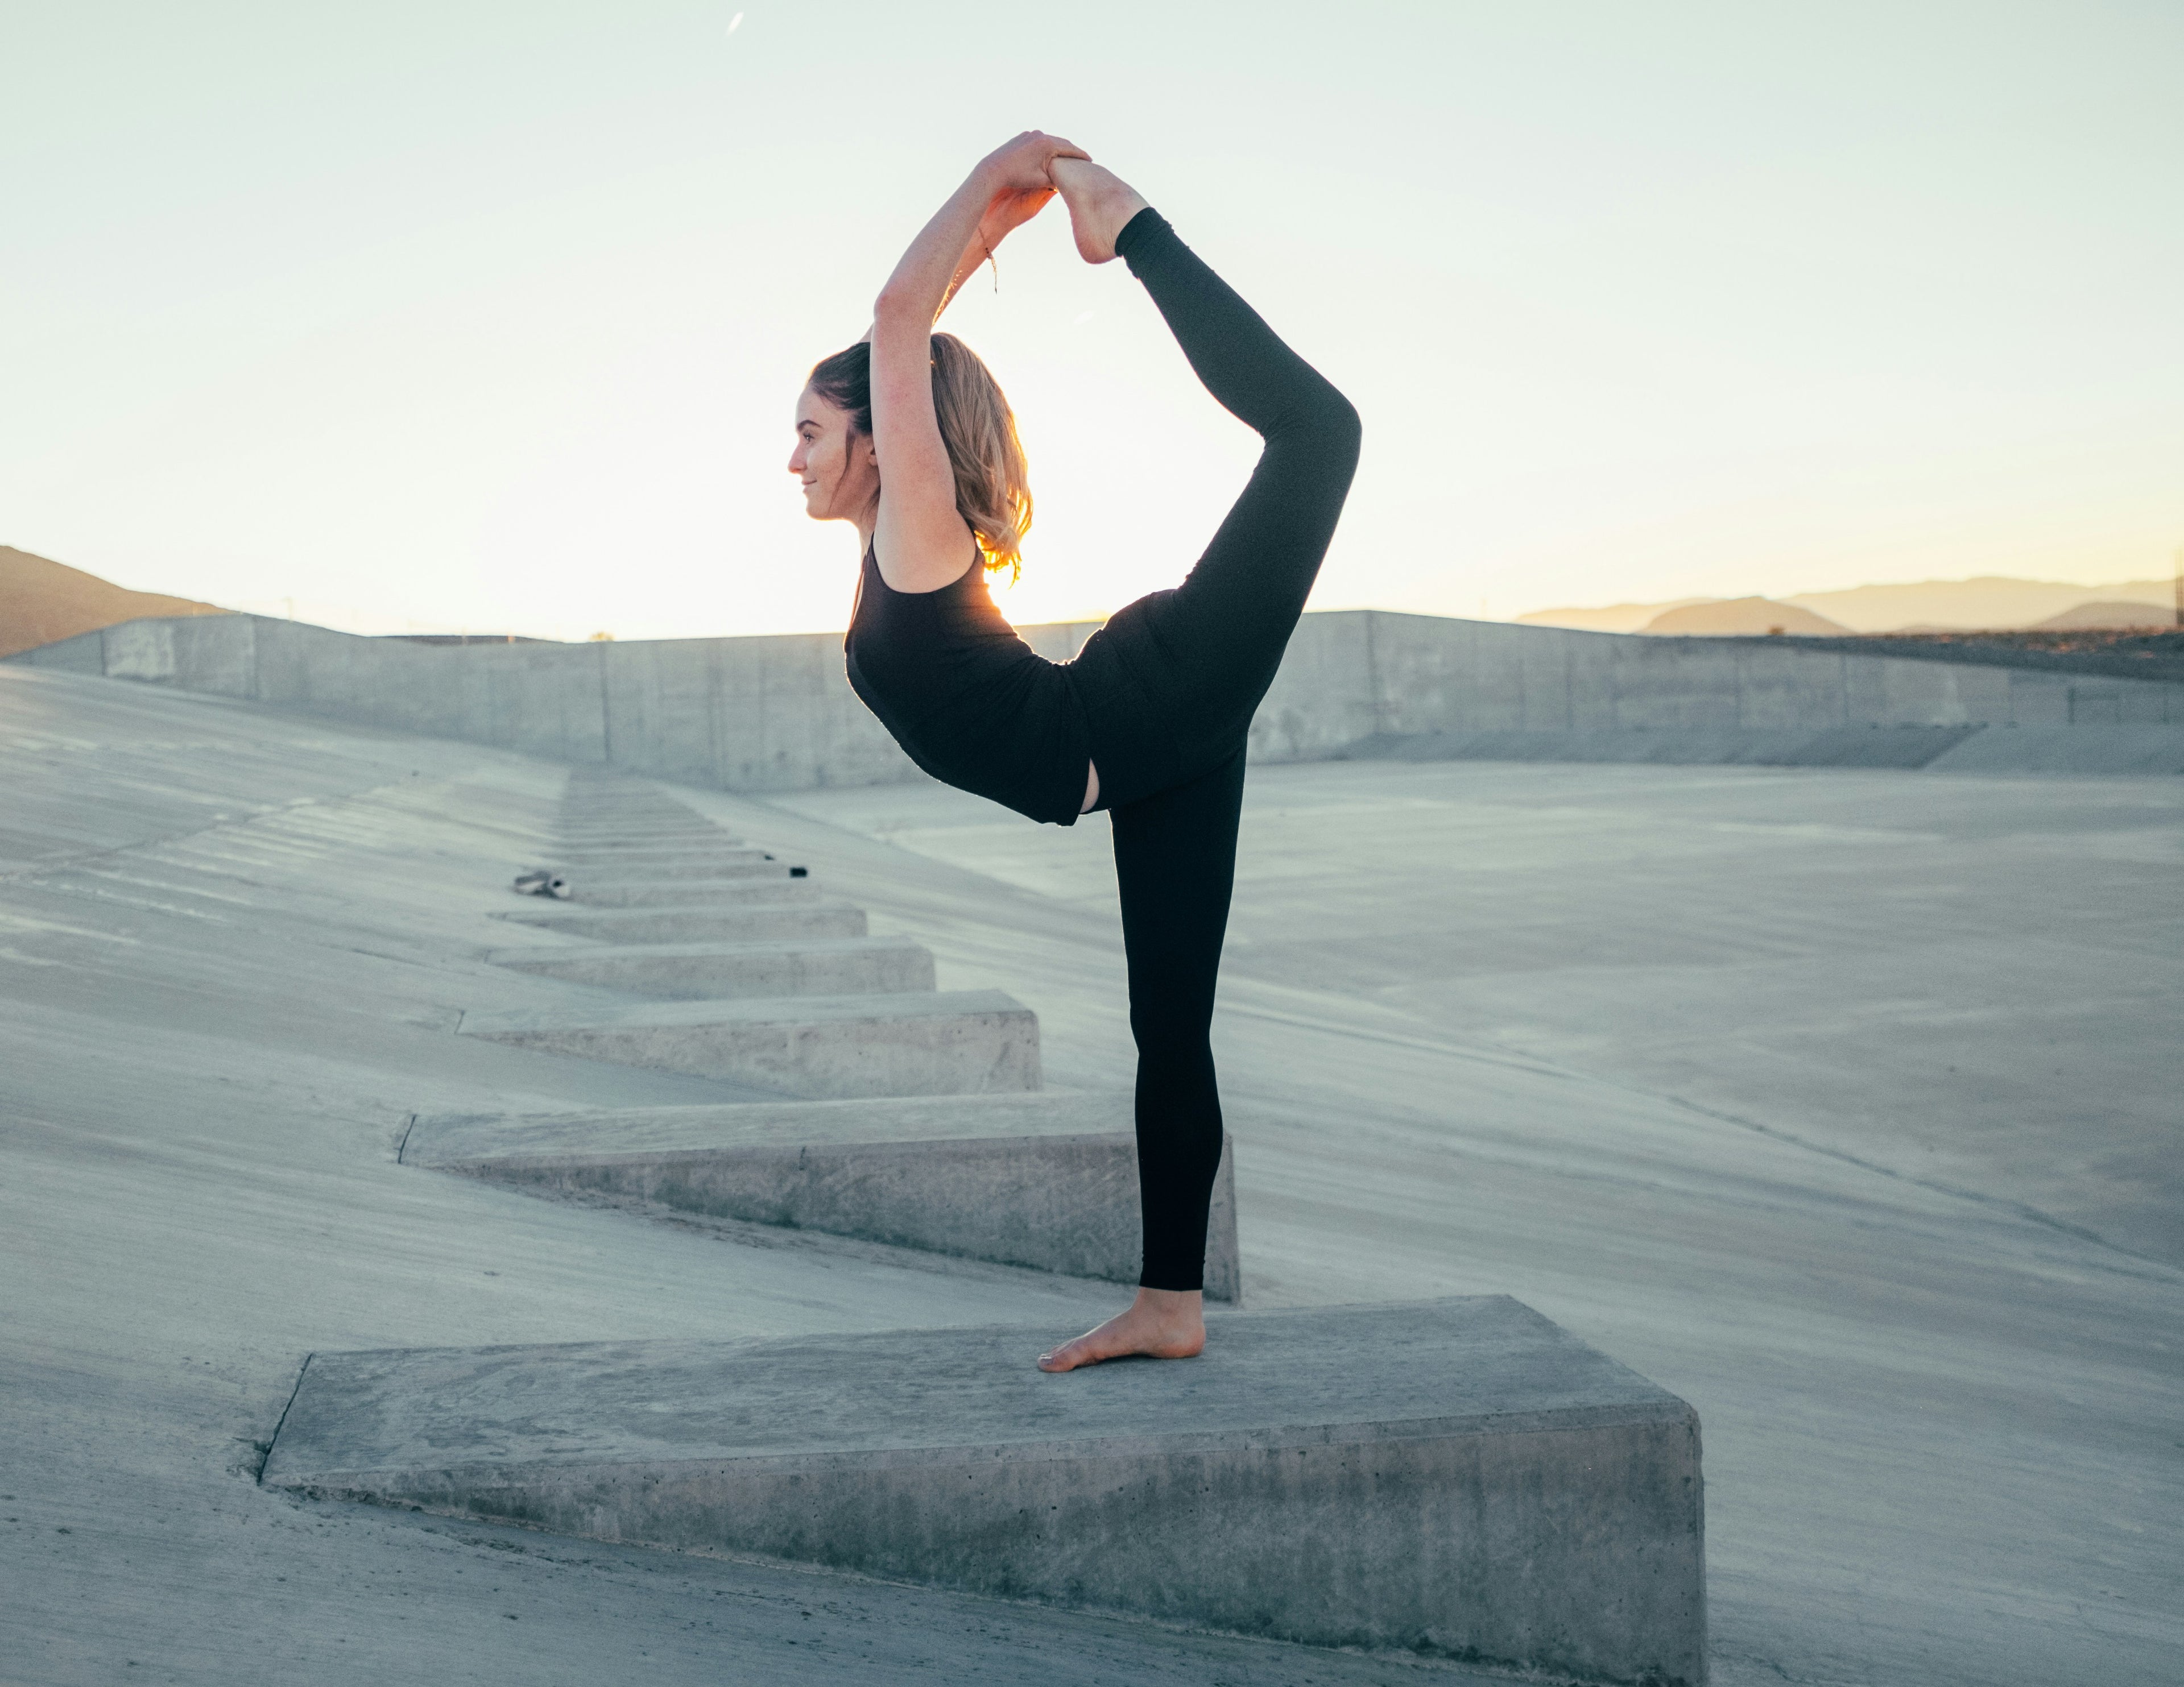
(1017, 182)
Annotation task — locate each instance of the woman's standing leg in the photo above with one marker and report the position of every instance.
(1175, 864)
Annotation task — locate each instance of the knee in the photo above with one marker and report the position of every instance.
(1324, 434)
(1342, 429)
(1172, 1055)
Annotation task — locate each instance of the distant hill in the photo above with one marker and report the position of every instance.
(1737, 617)
(1989, 602)
(1615, 618)
(2088, 617)
(41, 600)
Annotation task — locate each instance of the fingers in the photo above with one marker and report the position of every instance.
(1023, 162)
(1057, 150)
(1050, 147)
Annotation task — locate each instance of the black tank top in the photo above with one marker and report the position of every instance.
(970, 702)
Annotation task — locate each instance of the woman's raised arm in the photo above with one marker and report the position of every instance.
(920, 542)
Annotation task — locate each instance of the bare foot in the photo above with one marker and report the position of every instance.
(1161, 1323)
(1100, 206)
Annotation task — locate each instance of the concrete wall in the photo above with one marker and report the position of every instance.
(1357, 675)
(775, 713)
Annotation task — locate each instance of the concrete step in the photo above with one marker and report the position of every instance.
(724, 862)
(722, 845)
(914, 1043)
(810, 966)
(718, 923)
(606, 889)
(632, 814)
(633, 824)
(630, 804)
(655, 867)
(1047, 1179)
(613, 810)
(1453, 1477)
(627, 803)
(647, 838)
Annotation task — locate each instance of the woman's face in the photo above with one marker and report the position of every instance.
(839, 468)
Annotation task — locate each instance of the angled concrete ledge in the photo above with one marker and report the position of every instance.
(598, 890)
(722, 846)
(617, 844)
(922, 1043)
(1047, 1179)
(674, 864)
(616, 825)
(811, 967)
(617, 830)
(620, 839)
(715, 922)
(1454, 1478)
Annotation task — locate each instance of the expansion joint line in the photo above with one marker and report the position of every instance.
(1533, 1064)
(232, 823)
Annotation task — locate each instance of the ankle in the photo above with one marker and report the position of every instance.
(1117, 205)
(1100, 205)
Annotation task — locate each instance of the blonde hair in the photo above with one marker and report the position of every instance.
(993, 484)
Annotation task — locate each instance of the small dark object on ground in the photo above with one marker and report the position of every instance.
(538, 881)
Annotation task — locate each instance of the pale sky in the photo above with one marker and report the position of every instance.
(491, 317)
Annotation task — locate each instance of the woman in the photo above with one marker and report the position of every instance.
(1149, 723)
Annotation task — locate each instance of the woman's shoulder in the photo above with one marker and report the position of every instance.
(926, 574)
(913, 558)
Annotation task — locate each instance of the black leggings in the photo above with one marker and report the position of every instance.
(1199, 659)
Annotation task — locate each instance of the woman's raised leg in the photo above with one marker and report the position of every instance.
(1211, 646)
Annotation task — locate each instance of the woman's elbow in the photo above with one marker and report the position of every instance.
(891, 309)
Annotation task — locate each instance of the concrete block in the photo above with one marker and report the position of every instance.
(917, 1043)
(672, 844)
(652, 866)
(601, 891)
(621, 835)
(1047, 1179)
(659, 864)
(723, 865)
(605, 811)
(1455, 1478)
(603, 822)
(718, 923)
(668, 971)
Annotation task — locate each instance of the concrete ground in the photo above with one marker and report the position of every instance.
(1666, 1052)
